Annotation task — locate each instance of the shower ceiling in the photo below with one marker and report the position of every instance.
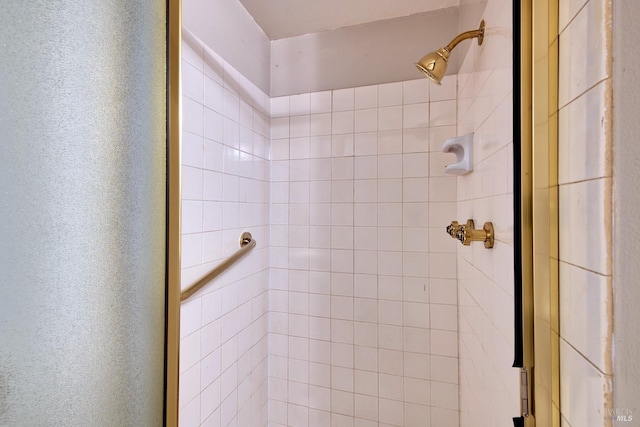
(288, 18)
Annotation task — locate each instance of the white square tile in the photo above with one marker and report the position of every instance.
(193, 116)
(415, 116)
(390, 94)
(191, 216)
(366, 334)
(390, 166)
(320, 146)
(390, 362)
(416, 190)
(443, 291)
(415, 239)
(192, 82)
(415, 314)
(341, 403)
(213, 95)
(342, 145)
(583, 126)
(320, 102)
(389, 191)
(444, 343)
(343, 99)
(417, 391)
(574, 77)
(366, 407)
(389, 214)
(444, 317)
(213, 156)
(390, 118)
(299, 148)
(442, 113)
(299, 104)
(299, 126)
(444, 395)
(320, 124)
(390, 142)
(390, 238)
(342, 355)
(366, 167)
(584, 319)
(214, 126)
(583, 389)
(444, 369)
(442, 417)
(366, 144)
(366, 97)
(390, 337)
(417, 415)
(586, 205)
(390, 312)
(415, 140)
(280, 127)
(415, 165)
(391, 412)
(319, 373)
(391, 387)
(442, 189)
(416, 91)
(342, 122)
(446, 90)
(365, 285)
(416, 365)
(366, 120)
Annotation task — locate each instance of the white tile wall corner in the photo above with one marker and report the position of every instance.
(585, 200)
(226, 175)
(488, 383)
(363, 307)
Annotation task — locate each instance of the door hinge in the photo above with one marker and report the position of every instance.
(525, 389)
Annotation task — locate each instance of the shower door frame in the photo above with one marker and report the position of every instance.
(536, 208)
(172, 286)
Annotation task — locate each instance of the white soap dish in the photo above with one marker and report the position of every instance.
(462, 147)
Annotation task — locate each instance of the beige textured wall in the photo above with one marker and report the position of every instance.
(585, 203)
(626, 205)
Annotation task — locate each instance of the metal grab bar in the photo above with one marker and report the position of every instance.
(246, 244)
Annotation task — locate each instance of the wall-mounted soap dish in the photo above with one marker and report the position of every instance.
(462, 147)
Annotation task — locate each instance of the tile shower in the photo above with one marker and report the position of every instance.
(347, 311)
(363, 316)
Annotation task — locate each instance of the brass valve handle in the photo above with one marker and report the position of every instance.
(452, 229)
(467, 233)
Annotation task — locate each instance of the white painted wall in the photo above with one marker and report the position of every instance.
(626, 205)
(373, 53)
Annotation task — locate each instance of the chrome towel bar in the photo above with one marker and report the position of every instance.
(246, 244)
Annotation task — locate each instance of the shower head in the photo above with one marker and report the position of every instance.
(434, 64)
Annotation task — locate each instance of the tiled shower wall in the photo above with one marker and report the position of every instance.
(585, 203)
(362, 300)
(489, 387)
(225, 190)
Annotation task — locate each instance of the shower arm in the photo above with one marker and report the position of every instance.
(479, 33)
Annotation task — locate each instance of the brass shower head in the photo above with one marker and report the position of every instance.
(434, 64)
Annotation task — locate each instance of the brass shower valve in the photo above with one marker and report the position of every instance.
(467, 233)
